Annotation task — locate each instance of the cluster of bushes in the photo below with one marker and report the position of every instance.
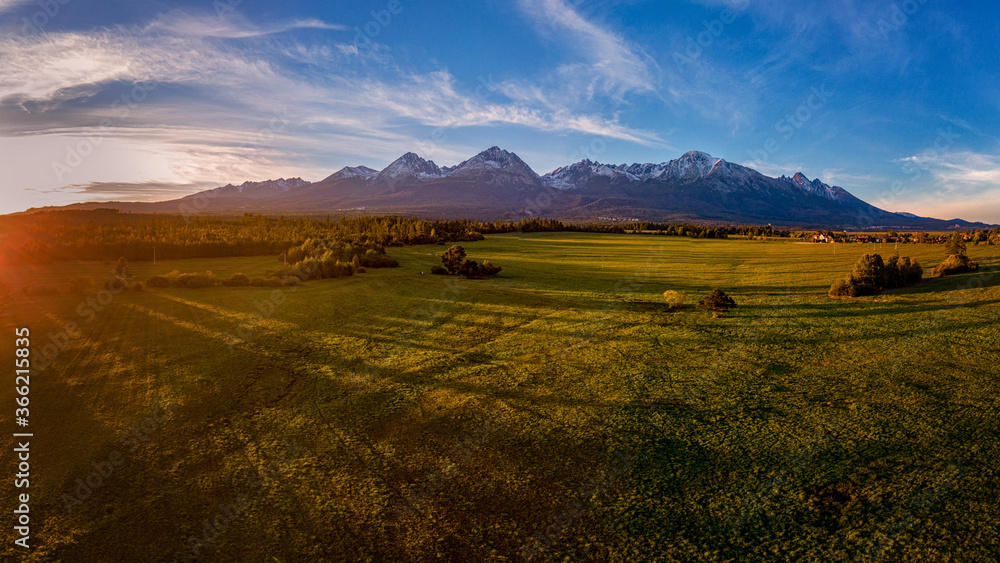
(208, 279)
(325, 267)
(872, 275)
(675, 299)
(330, 249)
(955, 264)
(716, 302)
(456, 264)
(327, 258)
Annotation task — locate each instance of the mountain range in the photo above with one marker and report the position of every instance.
(497, 184)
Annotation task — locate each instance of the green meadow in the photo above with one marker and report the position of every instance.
(557, 412)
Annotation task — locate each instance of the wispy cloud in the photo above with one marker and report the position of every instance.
(180, 23)
(961, 171)
(609, 65)
(8, 4)
(231, 79)
(965, 184)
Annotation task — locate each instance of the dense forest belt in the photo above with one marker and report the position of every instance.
(107, 234)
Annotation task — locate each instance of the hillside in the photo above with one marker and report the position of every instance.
(497, 184)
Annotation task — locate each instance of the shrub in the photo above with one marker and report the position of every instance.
(489, 269)
(871, 275)
(955, 246)
(194, 281)
(843, 288)
(158, 281)
(121, 268)
(237, 280)
(279, 272)
(674, 299)
(716, 301)
(453, 258)
(372, 259)
(470, 269)
(310, 268)
(292, 281)
(439, 271)
(955, 264)
(267, 282)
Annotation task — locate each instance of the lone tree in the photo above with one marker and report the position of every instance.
(955, 245)
(453, 258)
(121, 269)
(717, 301)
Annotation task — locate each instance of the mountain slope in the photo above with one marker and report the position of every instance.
(496, 184)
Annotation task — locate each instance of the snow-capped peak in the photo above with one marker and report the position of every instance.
(494, 166)
(362, 172)
(409, 166)
(817, 187)
(575, 175)
(496, 158)
(267, 186)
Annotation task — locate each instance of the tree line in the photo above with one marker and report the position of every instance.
(107, 234)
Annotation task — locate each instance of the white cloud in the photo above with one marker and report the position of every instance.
(963, 184)
(212, 96)
(179, 23)
(960, 171)
(611, 66)
(8, 4)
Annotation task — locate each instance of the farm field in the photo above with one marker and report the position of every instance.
(558, 411)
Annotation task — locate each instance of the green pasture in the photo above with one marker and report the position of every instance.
(556, 412)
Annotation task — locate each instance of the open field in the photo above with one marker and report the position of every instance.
(556, 411)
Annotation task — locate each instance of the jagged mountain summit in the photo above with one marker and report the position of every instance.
(498, 184)
(496, 166)
(819, 188)
(256, 189)
(346, 172)
(409, 167)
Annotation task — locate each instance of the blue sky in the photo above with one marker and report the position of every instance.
(896, 101)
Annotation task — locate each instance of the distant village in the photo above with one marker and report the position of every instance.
(972, 237)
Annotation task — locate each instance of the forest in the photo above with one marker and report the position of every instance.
(107, 234)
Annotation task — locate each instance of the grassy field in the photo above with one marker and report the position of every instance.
(556, 412)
